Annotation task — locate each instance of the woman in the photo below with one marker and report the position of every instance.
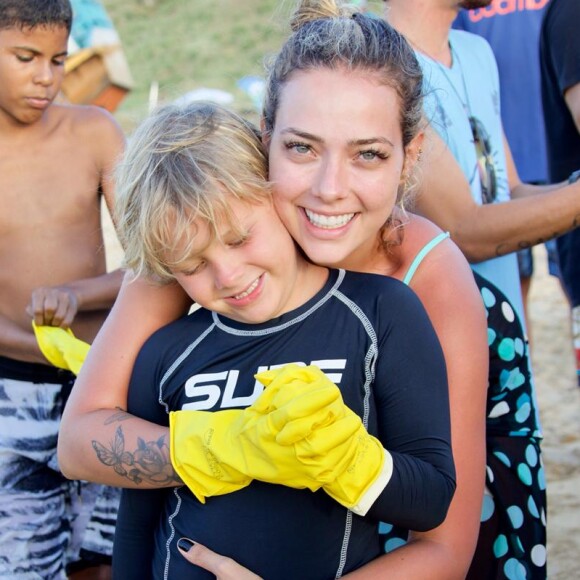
(342, 122)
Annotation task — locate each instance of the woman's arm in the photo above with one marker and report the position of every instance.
(445, 285)
(96, 408)
(533, 215)
(411, 398)
(225, 568)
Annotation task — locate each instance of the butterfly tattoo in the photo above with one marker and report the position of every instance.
(149, 463)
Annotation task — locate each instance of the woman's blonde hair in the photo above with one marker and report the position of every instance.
(182, 164)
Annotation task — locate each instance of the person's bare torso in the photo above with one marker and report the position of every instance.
(50, 221)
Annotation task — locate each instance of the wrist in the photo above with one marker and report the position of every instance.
(75, 293)
(372, 493)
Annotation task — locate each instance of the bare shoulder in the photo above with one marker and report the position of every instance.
(92, 137)
(444, 272)
(90, 121)
(445, 285)
(419, 231)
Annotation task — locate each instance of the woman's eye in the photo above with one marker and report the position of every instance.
(24, 58)
(372, 154)
(300, 148)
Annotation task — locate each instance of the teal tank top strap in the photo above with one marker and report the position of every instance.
(421, 255)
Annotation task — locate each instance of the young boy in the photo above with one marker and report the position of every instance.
(194, 207)
(54, 168)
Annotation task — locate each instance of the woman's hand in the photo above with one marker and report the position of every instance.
(223, 568)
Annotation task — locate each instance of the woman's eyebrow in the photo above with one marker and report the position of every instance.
(352, 142)
(371, 141)
(302, 134)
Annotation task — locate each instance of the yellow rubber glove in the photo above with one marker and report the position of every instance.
(353, 465)
(61, 348)
(192, 449)
(220, 452)
(298, 400)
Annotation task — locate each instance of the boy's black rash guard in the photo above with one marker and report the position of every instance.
(372, 337)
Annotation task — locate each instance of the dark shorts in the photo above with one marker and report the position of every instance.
(569, 256)
(526, 260)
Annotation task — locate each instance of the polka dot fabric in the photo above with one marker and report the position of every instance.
(511, 405)
(512, 538)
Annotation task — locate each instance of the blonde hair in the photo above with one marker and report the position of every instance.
(182, 164)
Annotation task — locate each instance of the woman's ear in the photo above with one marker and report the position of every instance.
(413, 153)
(265, 133)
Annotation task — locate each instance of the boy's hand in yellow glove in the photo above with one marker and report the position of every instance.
(220, 452)
(352, 465)
(298, 433)
(61, 348)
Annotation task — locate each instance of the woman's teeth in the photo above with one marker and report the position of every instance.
(326, 221)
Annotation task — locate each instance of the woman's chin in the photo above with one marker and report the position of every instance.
(328, 256)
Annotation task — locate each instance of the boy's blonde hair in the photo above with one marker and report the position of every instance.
(182, 164)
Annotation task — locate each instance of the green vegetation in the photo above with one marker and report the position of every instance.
(183, 45)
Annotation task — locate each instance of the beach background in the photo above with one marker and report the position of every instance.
(176, 48)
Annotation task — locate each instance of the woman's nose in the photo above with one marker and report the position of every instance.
(331, 183)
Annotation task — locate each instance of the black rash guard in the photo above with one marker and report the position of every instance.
(371, 336)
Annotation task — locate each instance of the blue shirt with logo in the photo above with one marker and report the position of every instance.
(513, 32)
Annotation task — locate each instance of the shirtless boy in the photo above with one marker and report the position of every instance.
(54, 165)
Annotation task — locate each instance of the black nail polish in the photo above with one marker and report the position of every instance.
(185, 544)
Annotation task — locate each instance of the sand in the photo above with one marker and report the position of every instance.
(559, 401)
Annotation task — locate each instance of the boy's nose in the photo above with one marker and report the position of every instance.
(227, 273)
(44, 74)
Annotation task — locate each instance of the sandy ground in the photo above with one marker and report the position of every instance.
(559, 401)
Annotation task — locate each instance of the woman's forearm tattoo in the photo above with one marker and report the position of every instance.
(149, 463)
